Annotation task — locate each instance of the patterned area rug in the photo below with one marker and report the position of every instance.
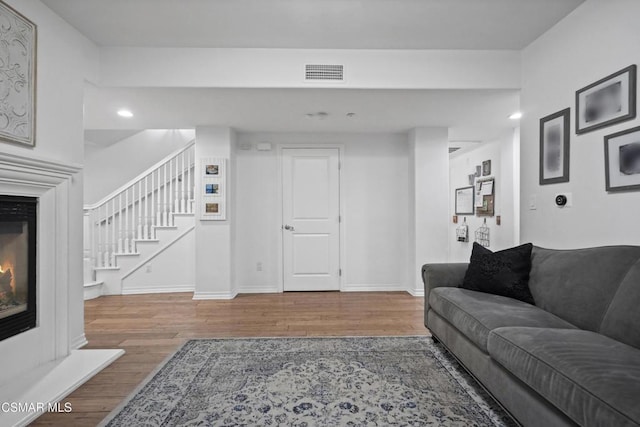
(400, 381)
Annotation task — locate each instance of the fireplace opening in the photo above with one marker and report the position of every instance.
(17, 264)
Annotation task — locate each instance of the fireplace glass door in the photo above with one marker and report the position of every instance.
(17, 265)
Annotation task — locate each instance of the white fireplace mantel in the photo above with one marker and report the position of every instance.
(45, 364)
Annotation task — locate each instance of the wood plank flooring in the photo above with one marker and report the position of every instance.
(151, 327)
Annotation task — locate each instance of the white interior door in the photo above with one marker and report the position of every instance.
(311, 219)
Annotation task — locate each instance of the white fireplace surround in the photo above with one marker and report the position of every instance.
(38, 355)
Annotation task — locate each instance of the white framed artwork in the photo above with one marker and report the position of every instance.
(212, 188)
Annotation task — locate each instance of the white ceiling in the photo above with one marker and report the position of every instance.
(330, 24)
(471, 114)
(107, 137)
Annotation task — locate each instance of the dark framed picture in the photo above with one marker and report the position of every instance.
(464, 201)
(554, 148)
(622, 160)
(486, 168)
(606, 102)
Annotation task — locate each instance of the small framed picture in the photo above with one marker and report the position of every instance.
(486, 168)
(212, 170)
(622, 160)
(554, 148)
(212, 208)
(606, 102)
(464, 200)
(478, 171)
(212, 189)
(472, 179)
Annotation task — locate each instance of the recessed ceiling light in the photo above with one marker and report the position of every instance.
(516, 116)
(125, 113)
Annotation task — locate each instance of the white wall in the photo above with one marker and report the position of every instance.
(109, 168)
(374, 181)
(504, 169)
(173, 270)
(428, 202)
(65, 60)
(279, 68)
(215, 241)
(597, 39)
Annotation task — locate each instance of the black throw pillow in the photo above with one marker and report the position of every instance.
(503, 273)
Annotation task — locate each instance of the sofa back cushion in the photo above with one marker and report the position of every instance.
(622, 319)
(579, 285)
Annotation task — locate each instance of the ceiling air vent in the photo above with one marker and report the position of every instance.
(324, 72)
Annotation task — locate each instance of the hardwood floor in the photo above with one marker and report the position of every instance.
(151, 327)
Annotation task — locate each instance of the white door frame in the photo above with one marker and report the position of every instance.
(340, 148)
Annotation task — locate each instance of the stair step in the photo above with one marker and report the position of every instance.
(128, 254)
(146, 240)
(92, 290)
(165, 227)
(106, 268)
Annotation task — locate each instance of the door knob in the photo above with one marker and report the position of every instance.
(289, 227)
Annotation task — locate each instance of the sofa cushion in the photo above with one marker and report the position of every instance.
(578, 285)
(503, 273)
(475, 314)
(622, 320)
(591, 378)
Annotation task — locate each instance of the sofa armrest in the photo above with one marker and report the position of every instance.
(441, 275)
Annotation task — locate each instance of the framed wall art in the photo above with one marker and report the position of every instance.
(606, 102)
(18, 69)
(464, 201)
(622, 160)
(486, 168)
(213, 190)
(485, 197)
(554, 148)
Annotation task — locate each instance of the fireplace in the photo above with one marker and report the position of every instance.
(17, 264)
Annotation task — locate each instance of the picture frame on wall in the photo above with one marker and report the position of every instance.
(18, 69)
(622, 160)
(213, 200)
(465, 200)
(606, 102)
(555, 147)
(485, 197)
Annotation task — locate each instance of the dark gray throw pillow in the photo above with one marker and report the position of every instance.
(503, 273)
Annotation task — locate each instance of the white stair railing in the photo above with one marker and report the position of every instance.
(135, 210)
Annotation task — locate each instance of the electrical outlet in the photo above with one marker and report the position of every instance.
(533, 202)
(149, 268)
(259, 266)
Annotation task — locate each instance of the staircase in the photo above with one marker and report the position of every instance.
(144, 220)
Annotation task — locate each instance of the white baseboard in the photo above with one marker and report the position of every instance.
(158, 289)
(79, 342)
(416, 292)
(214, 295)
(259, 289)
(377, 287)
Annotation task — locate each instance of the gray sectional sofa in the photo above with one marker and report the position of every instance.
(573, 358)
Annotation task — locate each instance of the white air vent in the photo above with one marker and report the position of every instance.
(324, 72)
